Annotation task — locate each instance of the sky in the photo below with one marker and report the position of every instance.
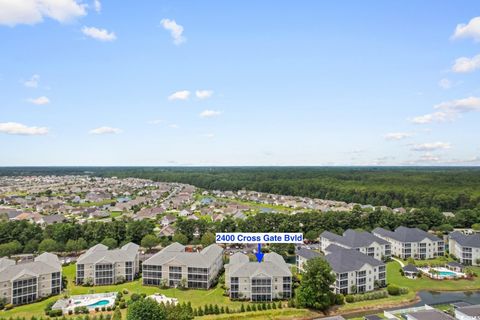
(147, 82)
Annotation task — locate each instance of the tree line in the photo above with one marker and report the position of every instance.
(22, 236)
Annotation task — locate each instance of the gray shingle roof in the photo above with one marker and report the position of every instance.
(354, 239)
(272, 265)
(472, 311)
(431, 315)
(347, 260)
(410, 268)
(404, 234)
(308, 253)
(466, 240)
(176, 251)
(38, 267)
(100, 253)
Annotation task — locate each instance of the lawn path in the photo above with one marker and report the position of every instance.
(399, 261)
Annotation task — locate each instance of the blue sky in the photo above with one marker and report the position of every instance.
(239, 82)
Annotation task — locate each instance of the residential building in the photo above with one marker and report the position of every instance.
(101, 266)
(303, 255)
(466, 248)
(173, 263)
(412, 242)
(355, 272)
(265, 281)
(468, 312)
(362, 241)
(27, 282)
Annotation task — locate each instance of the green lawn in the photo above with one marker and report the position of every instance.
(414, 285)
(424, 283)
(196, 297)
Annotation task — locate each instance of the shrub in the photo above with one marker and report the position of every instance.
(97, 309)
(122, 305)
(135, 296)
(349, 298)
(125, 291)
(8, 306)
(104, 309)
(70, 312)
(55, 313)
(393, 290)
(339, 300)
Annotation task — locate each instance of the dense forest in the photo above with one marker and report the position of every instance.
(22, 236)
(444, 188)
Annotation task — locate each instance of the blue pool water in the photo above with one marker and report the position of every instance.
(99, 303)
(447, 274)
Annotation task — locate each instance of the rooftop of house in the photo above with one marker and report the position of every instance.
(464, 240)
(272, 265)
(345, 260)
(307, 253)
(43, 264)
(471, 311)
(433, 314)
(176, 254)
(404, 234)
(354, 239)
(100, 253)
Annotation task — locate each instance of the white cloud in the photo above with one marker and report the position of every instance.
(464, 64)
(203, 94)
(40, 100)
(13, 12)
(179, 95)
(449, 110)
(432, 146)
(445, 83)
(210, 113)
(105, 130)
(156, 121)
(397, 135)
(173, 126)
(99, 34)
(208, 135)
(176, 30)
(21, 129)
(469, 30)
(97, 5)
(33, 81)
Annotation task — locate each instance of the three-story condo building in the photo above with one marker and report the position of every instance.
(465, 247)
(355, 272)
(26, 282)
(172, 264)
(264, 281)
(100, 266)
(364, 242)
(412, 242)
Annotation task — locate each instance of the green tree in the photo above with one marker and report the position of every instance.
(110, 243)
(312, 235)
(48, 245)
(180, 238)
(207, 239)
(314, 291)
(9, 248)
(149, 241)
(146, 309)
(31, 246)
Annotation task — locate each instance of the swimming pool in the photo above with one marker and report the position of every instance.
(447, 274)
(99, 303)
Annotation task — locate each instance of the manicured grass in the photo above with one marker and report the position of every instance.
(424, 283)
(198, 298)
(414, 285)
(115, 214)
(269, 314)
